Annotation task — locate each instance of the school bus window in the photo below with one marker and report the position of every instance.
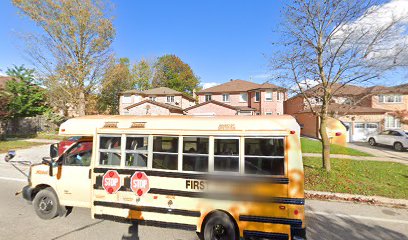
(226, 155)
(79, 155)
(109, 151)
(195, 154)
(110, 143)
(136, 151)
(165, 152)
(264, 156)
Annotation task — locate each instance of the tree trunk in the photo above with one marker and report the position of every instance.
(325, 143)
(81, 104)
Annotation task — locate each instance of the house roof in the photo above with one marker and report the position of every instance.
(349, 109)
(356, 91)
(132, 91)
(214, 102)
(160, 91)
(402, 89)
(268, 85)
(238, 86)
(338, 90)
(3, 81)
(171, 108)
(237, 108)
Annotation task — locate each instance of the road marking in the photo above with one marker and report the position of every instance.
(358, 217)
(14, 179)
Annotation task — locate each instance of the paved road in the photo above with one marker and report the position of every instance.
(380, 151)
(325, 220)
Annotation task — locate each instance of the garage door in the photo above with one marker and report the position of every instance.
(361, 131)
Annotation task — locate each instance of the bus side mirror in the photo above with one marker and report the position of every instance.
(54, 150)
(10, 155)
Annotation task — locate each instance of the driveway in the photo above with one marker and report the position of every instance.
(379, 151)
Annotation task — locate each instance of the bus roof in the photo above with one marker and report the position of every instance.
(87, 125)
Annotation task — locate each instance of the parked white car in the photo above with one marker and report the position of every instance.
(396, 138)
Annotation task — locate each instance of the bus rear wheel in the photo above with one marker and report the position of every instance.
(220, 226)
(46, 204)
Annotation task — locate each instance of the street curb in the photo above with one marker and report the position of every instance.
(374, 200)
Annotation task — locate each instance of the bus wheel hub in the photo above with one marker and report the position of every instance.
(45, 204)
(219, 230)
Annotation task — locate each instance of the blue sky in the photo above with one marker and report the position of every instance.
(221, 40)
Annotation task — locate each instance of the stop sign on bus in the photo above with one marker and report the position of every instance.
(139, 183)
(111, 181)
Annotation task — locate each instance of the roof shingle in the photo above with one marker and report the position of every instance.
(238, 86)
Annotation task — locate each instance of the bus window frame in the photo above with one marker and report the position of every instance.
(126, 151)
(211, 152)
(239, 172)
(196, 154)
(120, 151)
(284, 157)
(170, 153)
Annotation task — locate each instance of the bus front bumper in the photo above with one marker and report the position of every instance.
(27, 193)
(298, 233)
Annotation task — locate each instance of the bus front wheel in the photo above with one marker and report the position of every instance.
(220, 226)
(46, 204)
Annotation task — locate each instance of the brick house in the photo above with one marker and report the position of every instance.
(3, 81)
(363, 111)
(239, 97)
(156, 101)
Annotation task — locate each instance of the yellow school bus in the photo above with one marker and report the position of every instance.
(224, 177)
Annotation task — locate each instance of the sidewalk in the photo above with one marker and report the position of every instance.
(377, 200)
(360, 158)
(37, 140)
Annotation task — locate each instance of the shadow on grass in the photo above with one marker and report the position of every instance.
(338, 228)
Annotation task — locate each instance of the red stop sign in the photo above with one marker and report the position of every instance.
(139, 183)
(111, 181)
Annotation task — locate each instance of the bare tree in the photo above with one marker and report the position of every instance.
(333, 43)
(73, 50)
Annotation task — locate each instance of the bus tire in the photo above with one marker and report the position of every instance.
(46, 204)
(220, 226)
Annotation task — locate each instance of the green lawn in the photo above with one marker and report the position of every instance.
(357, 177)
(16, 144)
(314, 146)
(49, 135)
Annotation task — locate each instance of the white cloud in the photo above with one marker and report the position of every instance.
(377, 20)
(209, 84)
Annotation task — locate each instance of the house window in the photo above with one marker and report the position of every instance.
(268, 96)
(127, 99)
(225, 97)
(208, 97)
(316, 101)
(257, 96)
(390, 98)
(243, 97)
(392, 122)
(278, 96)
(170, 99)
(268, 113)
(152, 99)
